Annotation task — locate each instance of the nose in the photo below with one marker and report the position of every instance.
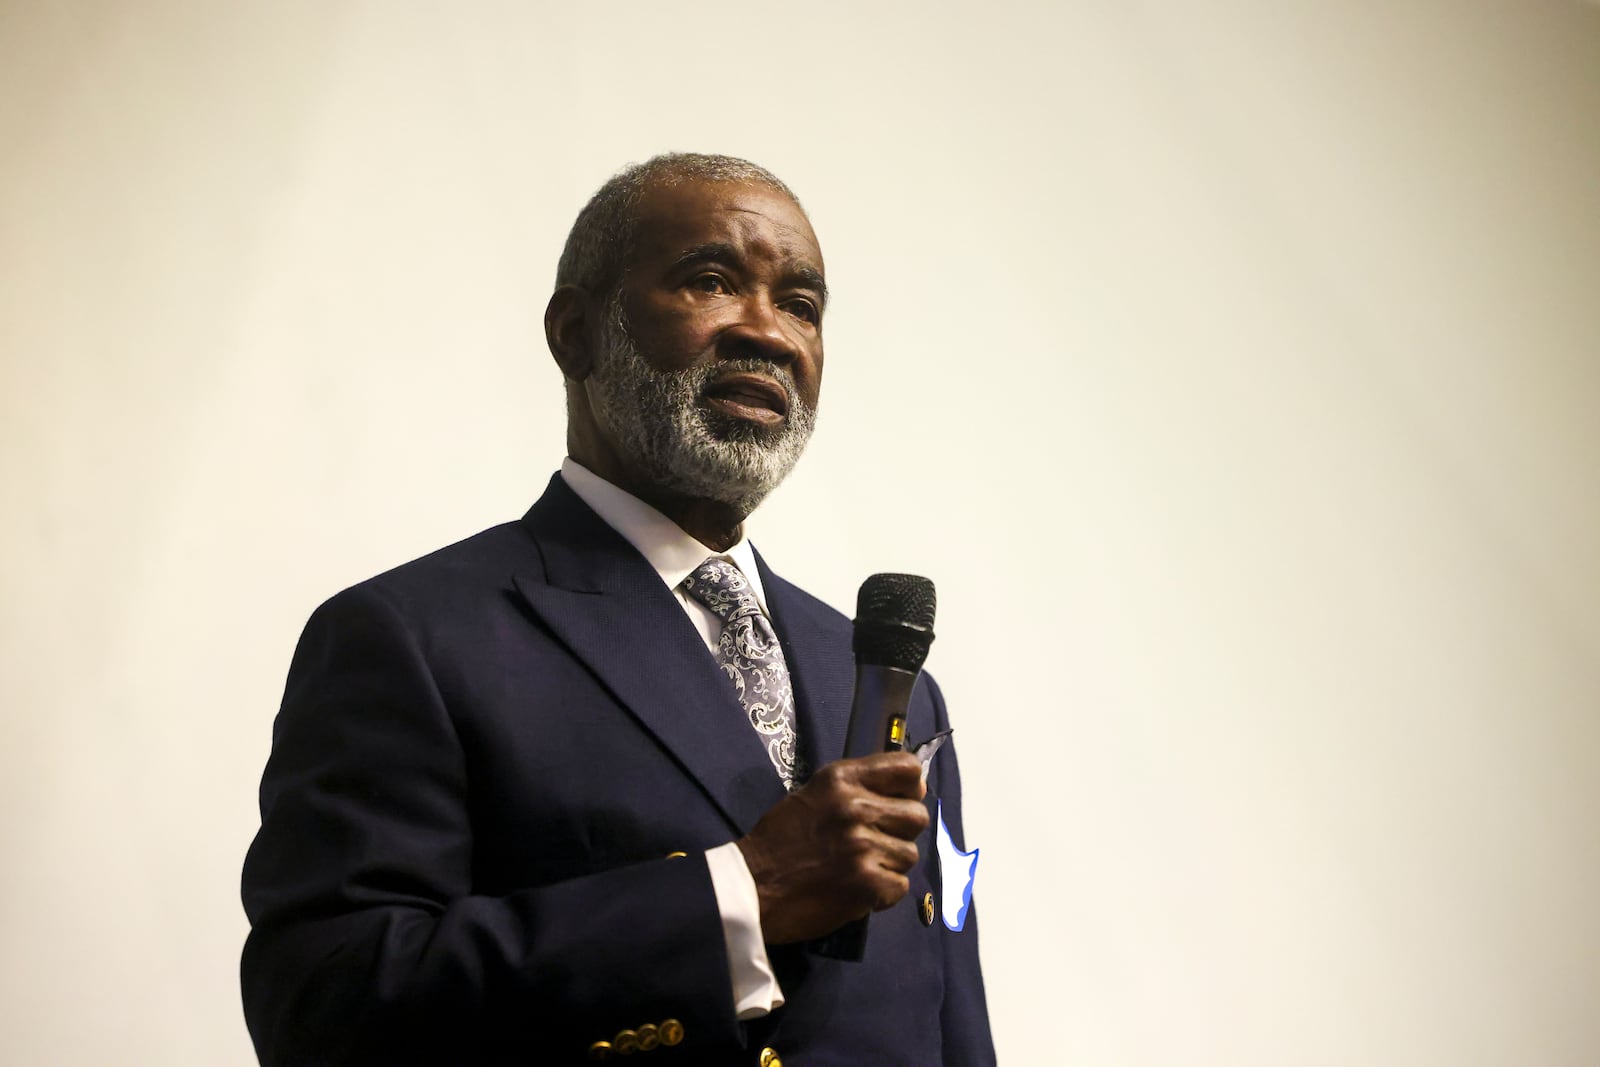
(762, 331)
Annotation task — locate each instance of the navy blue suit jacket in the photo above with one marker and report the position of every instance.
(481, 765)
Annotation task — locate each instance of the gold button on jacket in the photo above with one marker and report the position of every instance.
(670, 1031)
(769, 1058)
(927, 909)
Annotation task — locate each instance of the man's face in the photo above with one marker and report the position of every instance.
(709, 360)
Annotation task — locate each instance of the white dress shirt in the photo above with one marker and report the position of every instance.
(674, 554)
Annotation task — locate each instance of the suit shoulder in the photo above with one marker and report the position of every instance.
(507, 544)
(485, 559)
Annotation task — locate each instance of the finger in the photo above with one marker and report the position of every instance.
(904, 819)
(878, 851)
(879, 877)
(898, 855)
(892, 889)
(894, 774)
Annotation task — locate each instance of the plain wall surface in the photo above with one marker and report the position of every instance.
(1233, 368)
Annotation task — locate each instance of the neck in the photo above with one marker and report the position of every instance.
(714, 523)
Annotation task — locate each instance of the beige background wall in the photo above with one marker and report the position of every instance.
(1234, 369)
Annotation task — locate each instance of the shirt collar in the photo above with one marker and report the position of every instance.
(664, 544)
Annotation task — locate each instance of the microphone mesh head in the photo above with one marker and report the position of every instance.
(894, 621)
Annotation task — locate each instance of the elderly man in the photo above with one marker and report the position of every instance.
(544, 795)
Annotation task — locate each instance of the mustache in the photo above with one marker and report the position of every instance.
(696, 380)
(706, 377)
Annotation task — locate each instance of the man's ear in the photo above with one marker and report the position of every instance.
(567, 331)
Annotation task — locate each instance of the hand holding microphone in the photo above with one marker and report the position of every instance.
(839, 847)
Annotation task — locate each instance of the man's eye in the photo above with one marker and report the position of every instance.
(804, 310)
(710, 283)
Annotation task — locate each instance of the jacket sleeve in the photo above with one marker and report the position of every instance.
(368, 944)
(964, 1015)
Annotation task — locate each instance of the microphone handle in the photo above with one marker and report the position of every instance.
(877, 724)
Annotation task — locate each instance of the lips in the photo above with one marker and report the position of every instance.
(749, 396)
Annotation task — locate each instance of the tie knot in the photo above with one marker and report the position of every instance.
(722, 587)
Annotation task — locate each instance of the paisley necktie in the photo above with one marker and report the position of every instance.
(748, 652)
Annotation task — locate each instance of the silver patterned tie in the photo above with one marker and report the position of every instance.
(749, 654)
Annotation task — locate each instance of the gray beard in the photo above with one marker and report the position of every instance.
(658, 421)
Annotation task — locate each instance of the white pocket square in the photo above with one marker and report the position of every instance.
(956, 872)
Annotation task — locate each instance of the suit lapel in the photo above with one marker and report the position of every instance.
(610, 608)
(816, 647)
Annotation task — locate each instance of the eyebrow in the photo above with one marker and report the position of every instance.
(721, 250)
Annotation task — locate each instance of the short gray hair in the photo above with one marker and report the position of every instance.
(603, 235)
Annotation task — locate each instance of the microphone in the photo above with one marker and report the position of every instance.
(893, 631)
